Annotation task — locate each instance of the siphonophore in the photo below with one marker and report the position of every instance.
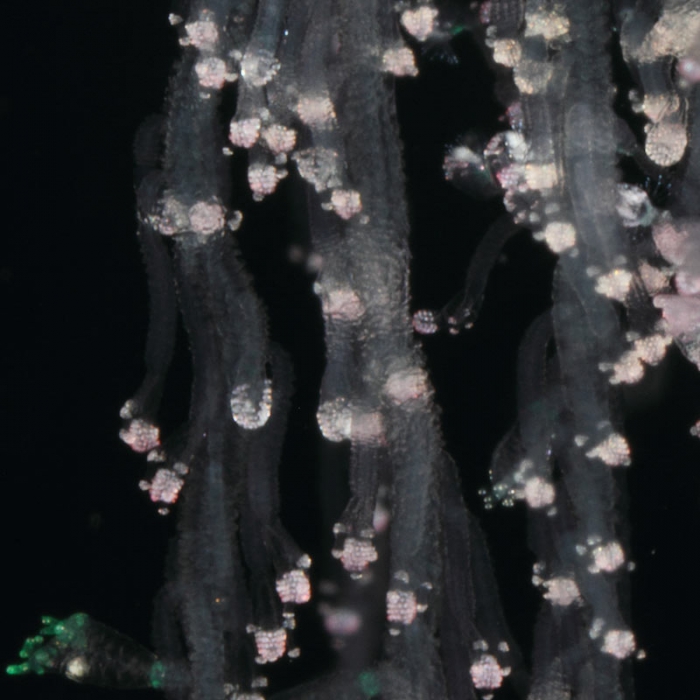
(292, 104)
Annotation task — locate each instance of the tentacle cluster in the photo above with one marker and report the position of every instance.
(315, 102)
